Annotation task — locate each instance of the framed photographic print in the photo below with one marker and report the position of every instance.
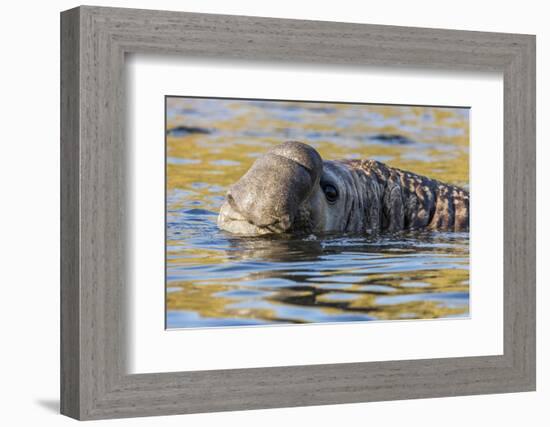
(262, 213)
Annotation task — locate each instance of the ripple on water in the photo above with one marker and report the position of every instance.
(260, 286)
(449, 298)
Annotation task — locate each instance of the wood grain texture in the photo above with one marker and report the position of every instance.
(70, 264)
(95, 383)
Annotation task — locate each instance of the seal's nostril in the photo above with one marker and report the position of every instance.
(231, 201)
(234, 207)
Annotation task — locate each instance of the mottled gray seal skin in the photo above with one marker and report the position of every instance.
(291, 189)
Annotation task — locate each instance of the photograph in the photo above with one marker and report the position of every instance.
(283, 212)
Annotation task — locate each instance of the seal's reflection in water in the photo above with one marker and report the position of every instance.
(344, 290)
(310, 279)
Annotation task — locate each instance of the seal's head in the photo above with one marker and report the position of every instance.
(287, 190)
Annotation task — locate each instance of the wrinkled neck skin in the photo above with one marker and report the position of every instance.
(286, 191)
(378, 198)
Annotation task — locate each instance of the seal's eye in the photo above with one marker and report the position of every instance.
(331, 193)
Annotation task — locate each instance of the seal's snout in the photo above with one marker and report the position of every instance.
(267, 198)
(303, 154)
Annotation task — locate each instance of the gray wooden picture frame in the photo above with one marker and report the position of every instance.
(94, 381)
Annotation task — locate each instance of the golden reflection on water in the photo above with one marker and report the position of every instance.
(214, 279)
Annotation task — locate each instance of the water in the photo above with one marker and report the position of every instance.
(217, 279)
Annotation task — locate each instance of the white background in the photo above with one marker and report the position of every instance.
(29, 174)
(154, 350)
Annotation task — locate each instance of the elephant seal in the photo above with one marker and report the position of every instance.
(290, 189)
